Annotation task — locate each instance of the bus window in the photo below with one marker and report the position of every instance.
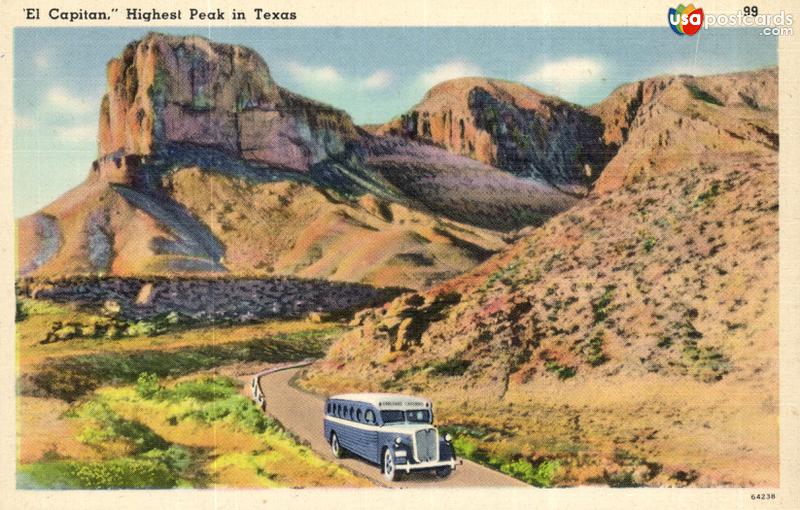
(358, 415)
(393, 416)
(369, 416)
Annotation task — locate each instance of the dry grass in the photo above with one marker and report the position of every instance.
(31, 353)
(296, 229)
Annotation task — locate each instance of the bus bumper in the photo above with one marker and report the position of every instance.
(407, 468)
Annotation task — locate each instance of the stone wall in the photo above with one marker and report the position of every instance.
(211, 299)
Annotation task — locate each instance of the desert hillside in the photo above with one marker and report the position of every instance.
(668, 123)
(629, 338)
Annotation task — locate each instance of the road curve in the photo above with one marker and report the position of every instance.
(301, 413)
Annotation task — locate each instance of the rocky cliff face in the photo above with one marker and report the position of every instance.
(510, 126)
(671, 123)
(206, 165)
(188, 90)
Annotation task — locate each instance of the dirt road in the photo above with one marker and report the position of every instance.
(301, 413)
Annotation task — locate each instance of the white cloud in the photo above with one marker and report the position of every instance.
(692, 69)
(24, 122)
(378, 80)
(329, 76)
(60, 99)
(311, 75)
(449, 71)
(566, 76)
(41, 61)
(80, 133)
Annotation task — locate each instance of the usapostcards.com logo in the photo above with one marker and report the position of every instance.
(685, 20)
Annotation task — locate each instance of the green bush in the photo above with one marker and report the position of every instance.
(602, 305)
(219, 400)
(594, 350)
(123, 473)
(205, 390)
(450, 367)
(107, 425)
(465, 447)
(237, 410)
(708, 196)
(21, 313)
(707, 364)
(563, 372)
(542, 475)
(147, 385)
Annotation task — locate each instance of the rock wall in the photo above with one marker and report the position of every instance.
(669, 123)
(211, 299)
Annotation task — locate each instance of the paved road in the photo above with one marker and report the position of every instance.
(301, 413)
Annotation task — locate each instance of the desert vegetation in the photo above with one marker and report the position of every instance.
(625, 342)
(195, 432)
(151, 406)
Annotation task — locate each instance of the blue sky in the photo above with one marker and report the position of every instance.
(372, 73)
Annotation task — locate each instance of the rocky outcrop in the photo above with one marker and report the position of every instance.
(510, 126)
(189, 90)
(670, 123)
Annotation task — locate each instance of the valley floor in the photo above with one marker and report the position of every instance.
(158, 410)
(166, 409)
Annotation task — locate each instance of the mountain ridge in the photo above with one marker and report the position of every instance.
(185, 113)
(174, 104)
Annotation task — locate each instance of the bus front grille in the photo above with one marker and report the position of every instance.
(426, 444)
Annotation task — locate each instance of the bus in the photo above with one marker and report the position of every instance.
(392, 430)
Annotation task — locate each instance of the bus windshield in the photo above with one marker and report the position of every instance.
(418, 416)
(415, 416)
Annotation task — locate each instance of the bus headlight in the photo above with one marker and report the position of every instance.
(397, 441)
(448, 437)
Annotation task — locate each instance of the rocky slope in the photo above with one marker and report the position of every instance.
(668, 123)
(631, 337)
(206, 165)
(510, 126)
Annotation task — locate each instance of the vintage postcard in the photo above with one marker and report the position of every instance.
(442, 255)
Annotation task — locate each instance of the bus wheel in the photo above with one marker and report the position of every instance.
(336, 448)
(389, 469)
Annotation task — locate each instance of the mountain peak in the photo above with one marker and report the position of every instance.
(460, 88)
(188, 90)
(510, 126)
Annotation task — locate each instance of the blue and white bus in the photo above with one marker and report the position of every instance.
(391, 430)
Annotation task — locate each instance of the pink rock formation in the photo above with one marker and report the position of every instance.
(182, 90)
